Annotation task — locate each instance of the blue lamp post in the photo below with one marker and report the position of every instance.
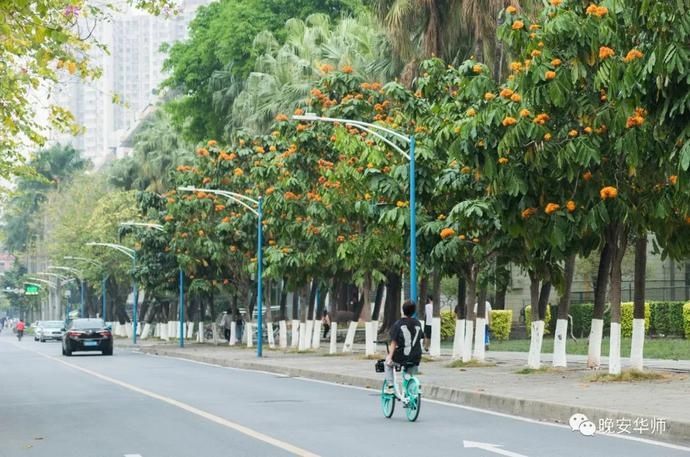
(103, 280)
(246, 202)
(379, 131)
(132, 254)
(180, 280)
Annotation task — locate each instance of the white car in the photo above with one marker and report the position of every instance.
(49, 330)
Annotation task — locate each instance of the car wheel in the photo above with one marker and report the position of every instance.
(42, 340)
(67, 351)
(108, 351)
(35, 338)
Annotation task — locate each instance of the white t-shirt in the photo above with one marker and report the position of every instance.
(486, 312)
(428, 313)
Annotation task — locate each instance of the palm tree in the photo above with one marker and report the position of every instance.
(284, 73)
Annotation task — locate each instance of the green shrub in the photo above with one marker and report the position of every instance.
(528, 320)
(582, 318)
(686, 319)
(627, 318)
(667, 318)
(447, 325)
(501, 324)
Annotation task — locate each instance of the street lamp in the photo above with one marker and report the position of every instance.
(374, 130)
(80, 276)
(103, 281)
(132, 254)
(180, 278)
(242, 200)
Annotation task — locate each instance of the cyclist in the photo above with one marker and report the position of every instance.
(405, 347)
(20, 329)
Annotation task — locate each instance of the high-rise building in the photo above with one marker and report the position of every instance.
(132, 72)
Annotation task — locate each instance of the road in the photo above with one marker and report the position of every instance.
(133, 404)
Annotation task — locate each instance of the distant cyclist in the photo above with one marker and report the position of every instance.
(406, 344)
(20, 329)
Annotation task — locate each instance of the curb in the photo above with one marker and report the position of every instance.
(676, 432)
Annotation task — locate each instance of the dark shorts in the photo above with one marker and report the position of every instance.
(427, 331)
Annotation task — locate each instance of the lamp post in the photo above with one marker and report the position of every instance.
(103, 281)
(180, 278)
(379, 131)
(59, 281)
(132, 254)
(80, 276)
(242, 200)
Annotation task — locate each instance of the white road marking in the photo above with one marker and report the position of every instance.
(493, 448)
(438, 402)
(189, 408)
(132, 455)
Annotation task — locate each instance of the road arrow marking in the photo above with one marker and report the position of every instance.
(495, 448)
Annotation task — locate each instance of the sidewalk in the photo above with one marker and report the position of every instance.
(551, 395)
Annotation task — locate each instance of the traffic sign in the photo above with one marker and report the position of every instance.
(31, 289)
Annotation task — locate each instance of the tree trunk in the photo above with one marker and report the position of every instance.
(423, 294)
(619, 239)
(365, 313)
(502, 282)
(377, 301)
(462, 296)
(391, 312)
(637, 346)
(471, 281)
(561, 335)
(283, 302)
(480, 324)
(295, 305)
(312, 299)
(597, 329)
(537, 291)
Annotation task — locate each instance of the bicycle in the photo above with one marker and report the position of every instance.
(407, 390)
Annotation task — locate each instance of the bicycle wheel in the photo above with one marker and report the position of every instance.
(387, 401)
(414, 396)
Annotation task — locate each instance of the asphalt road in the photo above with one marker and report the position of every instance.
(132, 404)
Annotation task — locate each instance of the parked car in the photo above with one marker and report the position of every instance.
(87, 335)
(49, 330)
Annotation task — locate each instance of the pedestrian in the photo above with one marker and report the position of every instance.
(226, 322)
(487, 323)
(239, 323)
(428, 317)
(326, 323)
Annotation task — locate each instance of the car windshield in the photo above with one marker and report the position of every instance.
(52, 324)
(87, 323)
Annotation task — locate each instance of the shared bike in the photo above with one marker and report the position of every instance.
(407, 389)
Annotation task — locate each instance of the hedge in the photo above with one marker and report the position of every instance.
(582, 318)
(686, 319)
(667, 318)
(501, 324)
(528, 320)
(627, 318)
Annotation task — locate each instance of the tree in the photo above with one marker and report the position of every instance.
(221, 37)
(42, 39)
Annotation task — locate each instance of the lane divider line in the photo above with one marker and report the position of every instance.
(190, 409)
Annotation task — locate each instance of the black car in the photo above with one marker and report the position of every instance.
(87, 335)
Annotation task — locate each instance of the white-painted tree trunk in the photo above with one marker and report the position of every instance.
(369, 338)
(164, 332)
(479, 338)
(294, 341)
(147, 330)
(215, 332)
(595, 336)
(282, 334)
(233, 333)
(435, 348)
(190, 330)
(350, 338)
(200, 333)
(316, 335)
(157, 331)
(308, 336)
(467, 348)
(637, 346)
(250, 335)
(559, 342)
(271, 338)
(303, 339)
(615, 349)
(458, 338)
(171, 329)
(534, 356)
(334, 338)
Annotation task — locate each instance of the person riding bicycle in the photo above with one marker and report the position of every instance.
(20, 328)
(405, 346)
